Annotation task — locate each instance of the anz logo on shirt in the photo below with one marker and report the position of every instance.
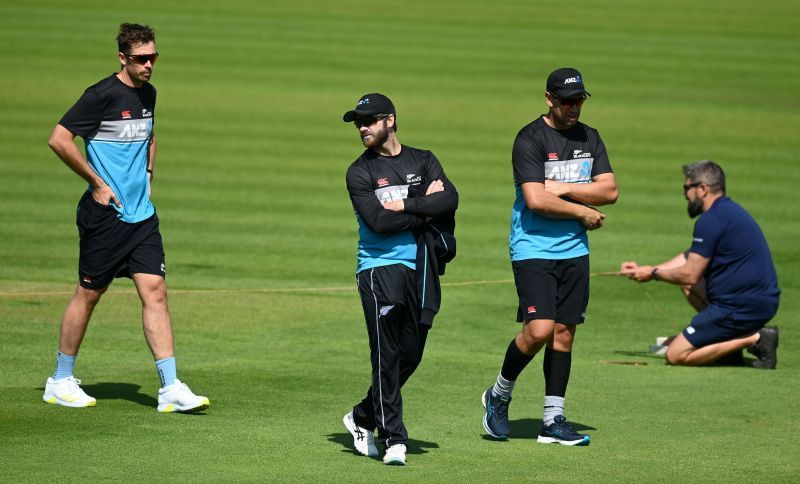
(392, 194)
(134, 130)
(569, 171)
(123, 131)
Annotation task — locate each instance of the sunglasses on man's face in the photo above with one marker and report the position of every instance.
(369, 120)
(569, 102)
(688, 187)
(143, 58)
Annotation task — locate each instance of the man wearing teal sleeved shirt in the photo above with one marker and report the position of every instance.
(561, 169)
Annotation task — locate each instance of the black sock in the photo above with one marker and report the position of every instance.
(556, 368)
(514, 362)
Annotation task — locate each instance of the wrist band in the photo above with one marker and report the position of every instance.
(653, 274)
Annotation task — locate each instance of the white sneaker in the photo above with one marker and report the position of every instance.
(178, 398)
(395, 455)
(67, 392)
(363, 439)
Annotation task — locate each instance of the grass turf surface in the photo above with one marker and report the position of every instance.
(250, 191)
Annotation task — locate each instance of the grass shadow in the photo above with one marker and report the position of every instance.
(120, 391)
(413, 446)
(736, 358)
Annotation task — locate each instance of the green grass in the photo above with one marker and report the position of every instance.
(250, 191)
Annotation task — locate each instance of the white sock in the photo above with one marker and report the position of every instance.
(553, 406)
(502, 387)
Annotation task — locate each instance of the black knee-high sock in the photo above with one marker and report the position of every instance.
(556, 368)
(514, 362)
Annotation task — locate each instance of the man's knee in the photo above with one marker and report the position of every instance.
(679, 350)
(675, 358)
(88, 297)
(535, 333)
(152, 289)
(563, 336)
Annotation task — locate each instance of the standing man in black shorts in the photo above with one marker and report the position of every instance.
(396, 191)
(560, 169)
(117, 223)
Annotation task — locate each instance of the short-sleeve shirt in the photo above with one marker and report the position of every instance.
(374, 179)
(740, 274)
(574, 155)
(116, 124)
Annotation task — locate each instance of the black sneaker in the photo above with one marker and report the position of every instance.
(495, 415)
(560, 432)
(766, 350)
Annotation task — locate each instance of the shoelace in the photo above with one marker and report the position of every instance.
(73, 382)
(73, 386)
(563, 428)
(502, 409)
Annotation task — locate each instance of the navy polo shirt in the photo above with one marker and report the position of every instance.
(740, 274)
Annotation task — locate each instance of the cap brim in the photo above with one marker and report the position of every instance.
(358, 113)
(569, 94)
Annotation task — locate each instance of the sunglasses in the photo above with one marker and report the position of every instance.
(688, 187)
(369, 120)
(569, 102)
(143, 58)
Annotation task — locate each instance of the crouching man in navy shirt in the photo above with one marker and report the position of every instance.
(727, 275)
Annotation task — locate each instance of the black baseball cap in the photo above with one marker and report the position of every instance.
(370, 105)
(566, 83)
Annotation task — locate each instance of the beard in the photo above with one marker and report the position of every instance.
(379, 136)
(695, 207)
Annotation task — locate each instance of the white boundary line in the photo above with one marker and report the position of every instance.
(262, 290)
(266, 290)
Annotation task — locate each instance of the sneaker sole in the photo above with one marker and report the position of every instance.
(552, 440)
(486, 420)
(172, 408)
(371, 452)
(53, 400)
(395, 462)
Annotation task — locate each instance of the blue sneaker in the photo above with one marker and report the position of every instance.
(495, 416)
(560, 432)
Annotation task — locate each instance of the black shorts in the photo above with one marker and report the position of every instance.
(112, 248)
(552, 289)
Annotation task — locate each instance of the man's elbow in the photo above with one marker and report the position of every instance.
(534, 204)
(454, 201)
(612, 196)
(53, 142)
(57, 140)
(381, 227)
(691, 279)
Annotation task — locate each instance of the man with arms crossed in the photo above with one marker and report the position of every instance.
(379, 182)
(560, 169)
(117, 224)
(727, 275)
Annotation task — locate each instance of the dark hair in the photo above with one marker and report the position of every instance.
(131, 35)
(708, 172)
